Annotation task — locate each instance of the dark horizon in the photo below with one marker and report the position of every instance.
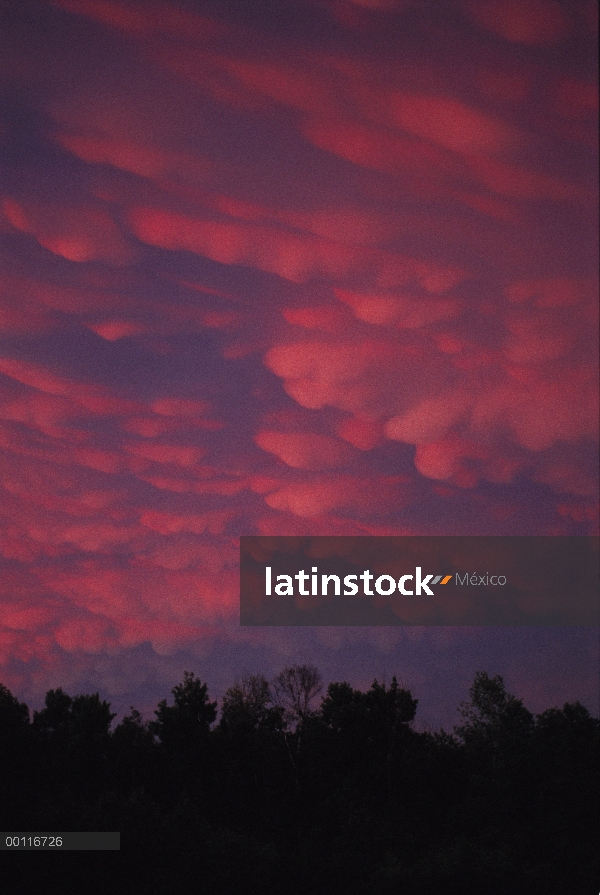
(279, 792)
(314, 267)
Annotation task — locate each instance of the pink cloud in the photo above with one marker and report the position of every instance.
(290, 255)
(451, 123)
(536, 22)
(304, 450)
(406, 312)
(323, 495)
(171, 454)
(332, 290)
(75, 233)
(195, 523)
(158, 17)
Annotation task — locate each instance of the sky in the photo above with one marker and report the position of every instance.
(288, 267)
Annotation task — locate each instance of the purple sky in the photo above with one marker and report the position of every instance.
(294, 267)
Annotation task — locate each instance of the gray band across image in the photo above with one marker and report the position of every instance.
(60, 841)
(434, 580)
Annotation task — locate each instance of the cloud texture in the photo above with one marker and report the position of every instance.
(326, 272)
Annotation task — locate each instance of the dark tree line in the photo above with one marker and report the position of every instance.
(279, 794)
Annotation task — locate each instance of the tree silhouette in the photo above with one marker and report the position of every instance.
(16, 755)
(132, 751)
(492, 716)
(294, 689)
(74, 735)
(13, 714)
(187, 722)
(284, 795)
(249, 706)
(183, 731)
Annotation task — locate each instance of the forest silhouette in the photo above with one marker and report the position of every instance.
(281, 793)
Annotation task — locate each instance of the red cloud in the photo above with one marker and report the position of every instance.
(329, 319)
(406, 312)
(404, 246)
(169, 168)
(112, 330)
(298, 87)
(525, 183)
(304, 450)
(147, 19)
(271, 249)
(433, 417)
(362, 433)
(179, 407)
(84, 396)
(322, 495)
(75, 233)
(424, 168)
(451, 123)
(536, 22)
(195, 523)
(177, 455)
(88, 635)
(20, 313)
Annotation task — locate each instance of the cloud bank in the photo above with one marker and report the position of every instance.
(330, 273)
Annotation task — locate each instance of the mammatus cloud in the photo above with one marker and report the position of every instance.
(266, 282)
(533, 22)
